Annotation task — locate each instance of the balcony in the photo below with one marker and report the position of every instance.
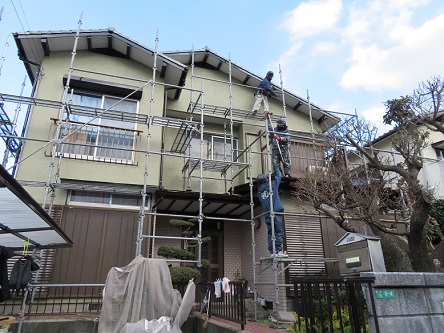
(98, 143)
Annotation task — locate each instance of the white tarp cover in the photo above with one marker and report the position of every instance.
(140, 298)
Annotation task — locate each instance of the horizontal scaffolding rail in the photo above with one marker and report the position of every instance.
(212, 165)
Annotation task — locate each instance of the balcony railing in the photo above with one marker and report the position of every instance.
(98, 142)
(304, 156)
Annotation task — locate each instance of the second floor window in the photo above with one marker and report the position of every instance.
(214, 147)
(439, 153)
(102, 138)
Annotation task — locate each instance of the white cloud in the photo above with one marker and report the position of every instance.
(286, 60)
(361, 52)
(416, 57)
(313, 17)
(324, 47)
(374, 114)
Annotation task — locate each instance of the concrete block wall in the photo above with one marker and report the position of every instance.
(410, 303)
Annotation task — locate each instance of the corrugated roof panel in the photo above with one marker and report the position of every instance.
(22, 219)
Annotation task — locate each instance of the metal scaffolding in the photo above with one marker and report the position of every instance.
(230, 167)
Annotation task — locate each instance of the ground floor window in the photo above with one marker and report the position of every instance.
(99, 199)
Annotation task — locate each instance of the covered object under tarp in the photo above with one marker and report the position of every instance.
(140, 298)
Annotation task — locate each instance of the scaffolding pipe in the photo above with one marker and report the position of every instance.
(4, 53)
(201, 160)
(231, 122)
(272, 215)
(61, 112)
(14, 124)
(187, 177)
(201, 216)
(252, 227)
(283, 93)
(147, 154)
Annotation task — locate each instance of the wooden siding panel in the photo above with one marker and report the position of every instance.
(102, 240)
(90, 242)
(331, 234)
(120, 240)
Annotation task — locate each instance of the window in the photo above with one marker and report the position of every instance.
(439, 153)
(106, 199)
(214, 147)
(102, 138)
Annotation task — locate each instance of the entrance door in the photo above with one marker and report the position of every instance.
(213, 251)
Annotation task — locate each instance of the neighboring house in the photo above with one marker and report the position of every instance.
(432, 173)
(183, 143)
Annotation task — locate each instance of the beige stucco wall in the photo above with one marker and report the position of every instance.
(35, 166)
(245, 129)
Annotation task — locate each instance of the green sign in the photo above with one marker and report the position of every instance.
(385, 293)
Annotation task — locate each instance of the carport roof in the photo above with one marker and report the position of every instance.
(23, 219)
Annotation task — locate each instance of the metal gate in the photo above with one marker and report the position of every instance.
(332, 305)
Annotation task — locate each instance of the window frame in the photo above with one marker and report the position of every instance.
(209, 138)
(110, 203)
(439, 152)
(100, 129)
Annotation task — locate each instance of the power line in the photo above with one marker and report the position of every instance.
(33, 45)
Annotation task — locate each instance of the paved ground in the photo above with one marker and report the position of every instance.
(253, 327)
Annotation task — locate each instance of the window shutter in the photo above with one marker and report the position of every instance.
(304, 240)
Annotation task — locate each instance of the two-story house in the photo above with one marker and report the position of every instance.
(432, 173)
(121, 138)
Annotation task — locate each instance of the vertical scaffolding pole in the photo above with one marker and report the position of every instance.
(225, 156)
(187, 177)
(282, 92)
(200, 217)
(253, 241)
(312, 131)
(231, 122)
(4, 54)
(147, 154)
(284, 107)
(272, 215)
(14, 124)
(57, 141)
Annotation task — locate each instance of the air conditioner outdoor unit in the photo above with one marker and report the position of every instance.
(314, 168)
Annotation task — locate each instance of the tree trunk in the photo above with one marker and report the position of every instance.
(419, 254)
(395, 258)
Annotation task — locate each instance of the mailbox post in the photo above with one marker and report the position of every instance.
(359, 253)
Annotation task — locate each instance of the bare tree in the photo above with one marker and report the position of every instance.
(357, 193)
(361, 192)
(426, 102)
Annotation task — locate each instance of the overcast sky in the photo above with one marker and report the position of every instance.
(347, 55)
